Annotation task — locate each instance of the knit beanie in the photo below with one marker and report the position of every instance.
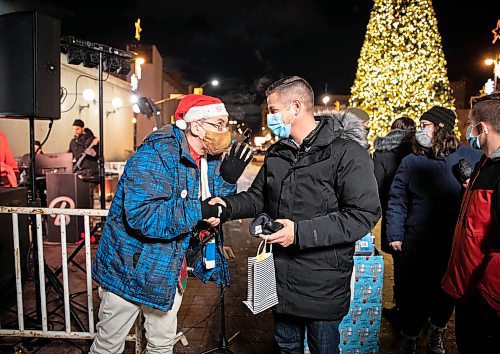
(443, 117)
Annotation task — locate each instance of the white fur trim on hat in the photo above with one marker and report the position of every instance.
(181, 124)
(205, 112)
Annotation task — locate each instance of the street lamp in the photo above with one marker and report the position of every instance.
(496, 69)
(325, 100)
(213, 83)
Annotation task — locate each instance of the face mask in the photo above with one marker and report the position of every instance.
(472, 140)
(277, 126)
(216, 143)
(423, 138)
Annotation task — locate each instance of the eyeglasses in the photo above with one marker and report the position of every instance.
(424, 125)
(219, 126)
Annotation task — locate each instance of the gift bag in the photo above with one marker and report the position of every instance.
(261, 293)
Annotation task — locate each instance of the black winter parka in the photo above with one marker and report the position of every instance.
(328, 188)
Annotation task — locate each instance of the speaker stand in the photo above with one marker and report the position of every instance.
(50, 275)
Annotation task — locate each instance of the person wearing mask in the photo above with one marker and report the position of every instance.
(320, 186)
(160, 201)
(9, 170)
(473, 274)
(424, 202)
(85, 149)
(389, 151)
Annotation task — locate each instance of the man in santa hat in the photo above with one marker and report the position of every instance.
(161, 198)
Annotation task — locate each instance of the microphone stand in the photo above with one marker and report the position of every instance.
(223, 345)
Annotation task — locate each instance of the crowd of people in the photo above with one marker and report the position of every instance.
(438, 200)
(320, 182)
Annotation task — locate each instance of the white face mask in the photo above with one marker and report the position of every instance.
(423, 138)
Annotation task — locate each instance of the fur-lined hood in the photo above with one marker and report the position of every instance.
(394, 140)
(349, 126)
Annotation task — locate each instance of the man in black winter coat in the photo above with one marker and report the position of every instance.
(321, 187)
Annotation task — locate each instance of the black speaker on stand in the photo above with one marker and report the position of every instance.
(30, 80)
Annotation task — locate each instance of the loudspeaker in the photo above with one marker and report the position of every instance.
(67, 191)
(30, 66)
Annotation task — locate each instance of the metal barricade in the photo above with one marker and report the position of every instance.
(68, 333)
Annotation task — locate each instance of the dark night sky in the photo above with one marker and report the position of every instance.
(257, 41)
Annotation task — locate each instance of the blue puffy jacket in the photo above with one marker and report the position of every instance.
(147, 232)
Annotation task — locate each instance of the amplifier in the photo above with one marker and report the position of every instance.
(67, 190)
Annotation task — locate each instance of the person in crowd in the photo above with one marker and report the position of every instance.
(85, 149)
(362, 115)
(389, 151)
(9, 170)
(160, 201)
(320, 185)
(424, 202)
(473, 274)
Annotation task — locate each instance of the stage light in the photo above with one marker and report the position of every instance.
(111, 64)
(133, 99)
(124, 67)
(91, 60)
(75, 56)
(147, 106)
(135, 108)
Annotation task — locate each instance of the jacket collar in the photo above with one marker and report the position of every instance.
(495, 156)
(395, 139)
(172, 132)
(322, 135)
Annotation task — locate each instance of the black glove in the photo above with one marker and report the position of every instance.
(208, 211)
(264, 225)
(216, 211)
(462, 171)
(235, 162)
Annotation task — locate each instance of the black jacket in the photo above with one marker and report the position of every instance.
(327, 187)
(78, 145)
(389, 151)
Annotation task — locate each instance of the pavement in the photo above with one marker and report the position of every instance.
(199, 316)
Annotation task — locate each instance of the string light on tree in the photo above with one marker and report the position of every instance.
(401, 68)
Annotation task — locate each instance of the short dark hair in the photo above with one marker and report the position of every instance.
(403, 123)
(487, 109)
(78, 123)
(293, 87)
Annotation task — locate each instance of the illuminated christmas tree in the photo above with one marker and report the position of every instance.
(401, 69)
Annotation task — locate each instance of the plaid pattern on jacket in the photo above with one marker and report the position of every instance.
(147, 232)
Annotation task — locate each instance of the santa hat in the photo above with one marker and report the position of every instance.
(196, 107)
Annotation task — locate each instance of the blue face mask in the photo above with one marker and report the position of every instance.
(473, 141)
(277, 126)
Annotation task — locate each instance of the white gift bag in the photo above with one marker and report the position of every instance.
(261, 293)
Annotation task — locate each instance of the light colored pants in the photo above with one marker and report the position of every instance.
(117, 316)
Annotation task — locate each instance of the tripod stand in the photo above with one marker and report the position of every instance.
(51, 277)
(223, 345)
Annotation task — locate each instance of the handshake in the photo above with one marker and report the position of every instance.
(215, 211)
